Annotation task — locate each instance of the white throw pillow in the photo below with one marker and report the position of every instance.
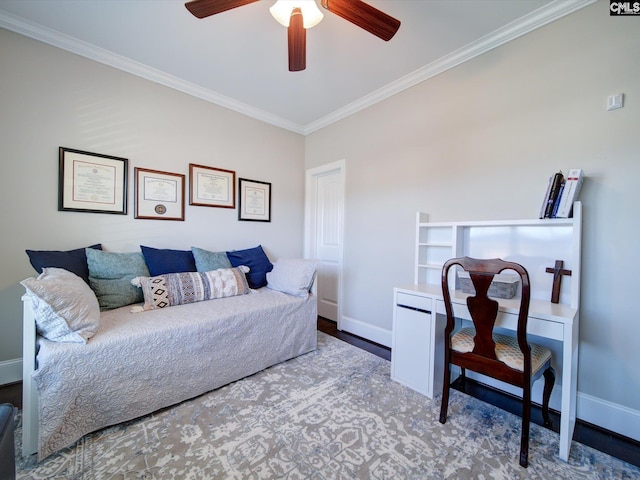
(292, 275)
(66, 309)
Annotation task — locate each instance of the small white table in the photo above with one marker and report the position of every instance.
(417, 357)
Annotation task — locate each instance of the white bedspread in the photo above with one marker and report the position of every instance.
(138, 363)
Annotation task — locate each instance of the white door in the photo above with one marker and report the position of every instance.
(323, 233)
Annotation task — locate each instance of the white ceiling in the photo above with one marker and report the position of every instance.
(238, 58)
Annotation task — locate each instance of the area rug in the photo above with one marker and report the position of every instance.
(330, 414)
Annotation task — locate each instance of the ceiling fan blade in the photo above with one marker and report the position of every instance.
(297, 36)
(206, 8)
(365, 16)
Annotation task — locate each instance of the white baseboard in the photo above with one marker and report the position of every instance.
(11, 371)
(608, 415)
(365, 330)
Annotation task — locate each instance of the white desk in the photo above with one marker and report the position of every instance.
(554, 321)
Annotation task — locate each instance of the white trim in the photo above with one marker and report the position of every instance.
(11, 371)
(101, 55)
(29, 389)
(511, 31)
(365, 330)
(610, 416)
(536, 19)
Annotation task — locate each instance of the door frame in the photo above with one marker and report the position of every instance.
(311, 207)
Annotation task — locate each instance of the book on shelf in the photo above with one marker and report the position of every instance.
(570, 193)
(556, 205)
(551, 196)
(545, 199)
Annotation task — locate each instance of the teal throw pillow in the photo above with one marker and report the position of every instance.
(110, 275)
(207, 261)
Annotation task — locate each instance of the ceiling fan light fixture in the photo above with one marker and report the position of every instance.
(311, 14)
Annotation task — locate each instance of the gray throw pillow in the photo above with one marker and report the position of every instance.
(65, 308)
(294, 276)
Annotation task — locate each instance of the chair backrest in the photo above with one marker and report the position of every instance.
(484, 310)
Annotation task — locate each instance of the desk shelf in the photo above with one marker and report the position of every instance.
(534, 243)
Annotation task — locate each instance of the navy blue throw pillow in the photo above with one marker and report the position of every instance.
(256, 260)
(161, 261)
(74, 261)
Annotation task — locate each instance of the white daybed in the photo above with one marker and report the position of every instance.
(137, 363)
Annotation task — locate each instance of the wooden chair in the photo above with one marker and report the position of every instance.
(480, 349)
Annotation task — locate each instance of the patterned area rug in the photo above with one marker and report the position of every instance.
(330, 414)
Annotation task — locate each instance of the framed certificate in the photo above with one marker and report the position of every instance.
(91, 182)
(254, 201)
(159, 195)
(212, 187)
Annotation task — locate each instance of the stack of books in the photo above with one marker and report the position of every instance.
(561, 193)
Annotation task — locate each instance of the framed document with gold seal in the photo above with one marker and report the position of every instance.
(159, 195)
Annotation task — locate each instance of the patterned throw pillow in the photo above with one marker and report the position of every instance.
(190, 287)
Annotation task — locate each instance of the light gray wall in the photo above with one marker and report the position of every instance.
(51, 98)
(479, 142)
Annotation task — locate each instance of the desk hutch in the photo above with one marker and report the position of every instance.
(417, 354)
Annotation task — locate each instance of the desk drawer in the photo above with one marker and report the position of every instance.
(535, 326)
(417, 302)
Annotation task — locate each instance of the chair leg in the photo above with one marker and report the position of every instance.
(444, 406)
(463, 380)
(526, 419)
(549, 381)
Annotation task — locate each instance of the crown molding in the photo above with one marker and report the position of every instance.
(65, 42)
(536, 19)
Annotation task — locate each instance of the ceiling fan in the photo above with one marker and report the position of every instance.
(355, 11)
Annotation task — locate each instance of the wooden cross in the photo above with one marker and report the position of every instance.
(557, 271)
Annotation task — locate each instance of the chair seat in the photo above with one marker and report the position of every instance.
(507, 349)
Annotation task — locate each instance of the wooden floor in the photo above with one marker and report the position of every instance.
(11, 393)
(615, 445)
